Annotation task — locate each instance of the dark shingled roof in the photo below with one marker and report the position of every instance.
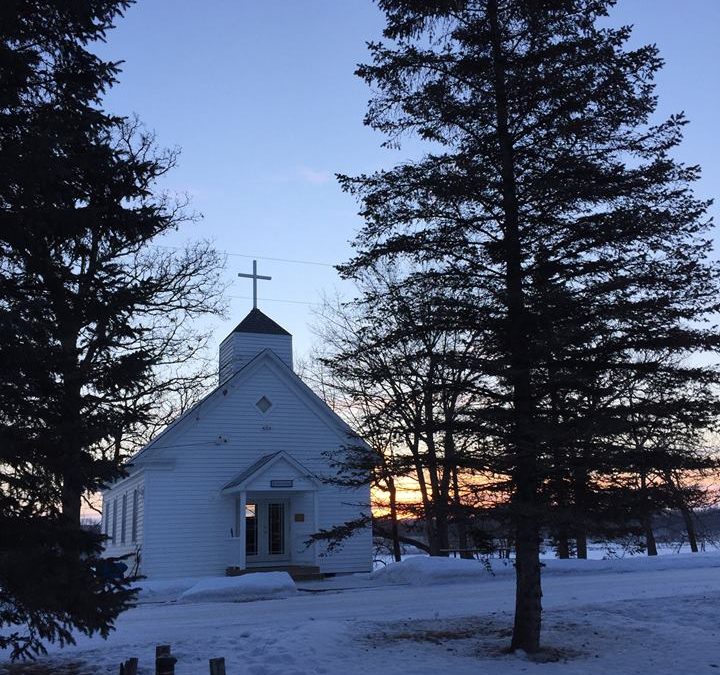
(257, 322)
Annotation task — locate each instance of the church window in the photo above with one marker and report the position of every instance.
(133, 529)
(123, 518)
(264, 404)
(114, 520)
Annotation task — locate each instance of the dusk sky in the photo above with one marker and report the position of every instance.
(262, 100)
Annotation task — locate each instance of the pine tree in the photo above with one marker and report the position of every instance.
(544, 171)
(94, 322)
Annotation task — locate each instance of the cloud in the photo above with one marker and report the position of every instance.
(314, 176)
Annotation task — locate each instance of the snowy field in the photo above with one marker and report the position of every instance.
(423, 617)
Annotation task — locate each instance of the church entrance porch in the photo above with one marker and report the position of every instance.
(274, 507)
(271, 530)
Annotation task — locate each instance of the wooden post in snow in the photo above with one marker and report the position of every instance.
(217, 666)
(164, 661)
(129, 667)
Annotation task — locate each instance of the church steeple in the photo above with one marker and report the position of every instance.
(255, 333)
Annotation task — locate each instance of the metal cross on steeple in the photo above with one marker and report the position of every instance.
(254, 276)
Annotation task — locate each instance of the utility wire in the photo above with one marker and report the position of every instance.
(257, 257)
(292, 302)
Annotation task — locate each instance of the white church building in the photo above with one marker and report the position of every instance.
(237, 481)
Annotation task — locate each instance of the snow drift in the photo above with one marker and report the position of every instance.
(422, 570)
(257, 586)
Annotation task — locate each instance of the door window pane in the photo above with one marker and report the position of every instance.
(276, 529)
(251, 529)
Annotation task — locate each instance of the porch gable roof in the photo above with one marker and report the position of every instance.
(263, 464)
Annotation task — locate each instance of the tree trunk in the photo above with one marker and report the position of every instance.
(649, 536)
(581, 542)
(393, 521)
(439, 497)
(528, 607)
(443, 531)
(563, 544)
(460, 521)
(414, 446)
(528, 593)
(71, 426)
(685, 510)
(580, 489)
(71, 497)
(646, 516)
(690, 527)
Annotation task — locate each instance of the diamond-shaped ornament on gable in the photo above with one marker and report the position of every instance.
(264, 404)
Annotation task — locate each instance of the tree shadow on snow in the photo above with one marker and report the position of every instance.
(469, 637)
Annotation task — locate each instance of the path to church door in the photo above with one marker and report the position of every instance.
(267, 531)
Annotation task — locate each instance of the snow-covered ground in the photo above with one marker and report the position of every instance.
(427, 617)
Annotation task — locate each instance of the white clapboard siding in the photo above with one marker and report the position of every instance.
(112, 503)
(189, 522)
(238, 349)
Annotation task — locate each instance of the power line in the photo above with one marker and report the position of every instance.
(292, 302)
(285, 260)
(257, 257)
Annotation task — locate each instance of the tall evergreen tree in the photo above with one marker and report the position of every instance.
(94, 324)
(544, 174)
